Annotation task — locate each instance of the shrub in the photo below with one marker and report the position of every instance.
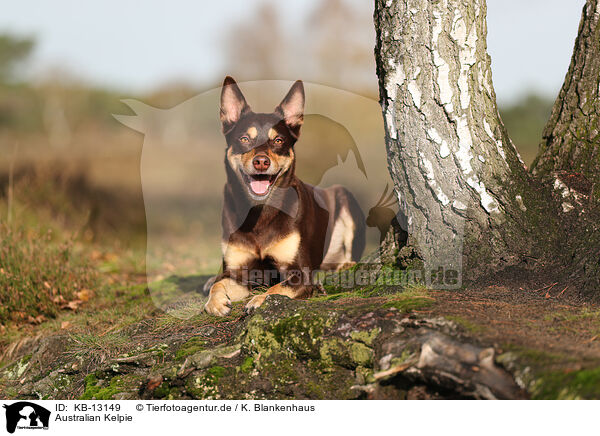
(37, 275)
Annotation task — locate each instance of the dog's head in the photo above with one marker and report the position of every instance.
(260, 149)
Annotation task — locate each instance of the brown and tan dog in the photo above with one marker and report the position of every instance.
(272, 221)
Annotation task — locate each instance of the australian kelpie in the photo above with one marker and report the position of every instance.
(272, 221)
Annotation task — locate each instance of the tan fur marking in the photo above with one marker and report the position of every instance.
(284, 250)
(272, 133)
(252, 132)
(234, 290)
(342, 237)
(237, 256)
(222, 294)
(234, 160)
(283, 162)
(349, 232)
(279, 289)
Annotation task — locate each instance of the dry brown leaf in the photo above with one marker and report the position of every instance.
(37, 320)
(154, 382)
(84, 295)
(73, 305)
(59, 299)
(65, 325)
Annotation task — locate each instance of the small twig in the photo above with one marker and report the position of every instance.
(562, 292)
(394, 370)
(541, 289)
(108, 330)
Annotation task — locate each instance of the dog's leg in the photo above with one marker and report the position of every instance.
(293, 292)
(296, 284)
(222, 294)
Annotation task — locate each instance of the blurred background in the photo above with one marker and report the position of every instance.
(70, 172)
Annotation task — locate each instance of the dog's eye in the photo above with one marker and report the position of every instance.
(278, 140)
(244, 140)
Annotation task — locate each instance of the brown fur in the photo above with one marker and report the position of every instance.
(293, 227)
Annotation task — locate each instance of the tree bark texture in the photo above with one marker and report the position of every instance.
(461, 183)
(572, 136)
(569, 157)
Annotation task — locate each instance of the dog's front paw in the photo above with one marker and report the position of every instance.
(218, 304)
(255, 302)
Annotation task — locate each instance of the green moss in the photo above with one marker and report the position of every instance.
(162, 391)
(217, 371)
(366, 337)
(258, 339)
(551, 375)
(533, 357)
(361, 354)
(281, 371)
(583, 314)
(565, 385)
(302, 331)
(364, 375)
(17, 369)
(365, 281)
(206, 385)
(466, 324)
(334, 351)
(192, 346)
(95, 389)
(247, 364)
(314, 390)
(408, 304)
(402, 359)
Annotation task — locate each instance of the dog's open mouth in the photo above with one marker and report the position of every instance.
(260, 184)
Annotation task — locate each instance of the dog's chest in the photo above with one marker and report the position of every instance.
(283, 250)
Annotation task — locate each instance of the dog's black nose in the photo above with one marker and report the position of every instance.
(261, 162)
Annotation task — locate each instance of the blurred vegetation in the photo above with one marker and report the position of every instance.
(73, 171)
(13, 51)
(525, 121)
(38, 277)
(337, 36)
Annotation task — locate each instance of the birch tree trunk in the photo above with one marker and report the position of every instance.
(569, 157)
(572, 136)
(460, 180)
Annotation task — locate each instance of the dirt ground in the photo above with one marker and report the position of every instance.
(529, 313)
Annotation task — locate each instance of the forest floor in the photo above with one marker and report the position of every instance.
(111, 337)
(119, 345)
(528, 316)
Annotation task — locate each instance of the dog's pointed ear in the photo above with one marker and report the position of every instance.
(292, 106)
(233, 104)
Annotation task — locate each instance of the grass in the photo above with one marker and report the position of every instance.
(97, 346)
(389, 283)
(466, 324)
(583, 314)
(38, 276)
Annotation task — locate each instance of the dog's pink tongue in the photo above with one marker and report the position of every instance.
(260, 186)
